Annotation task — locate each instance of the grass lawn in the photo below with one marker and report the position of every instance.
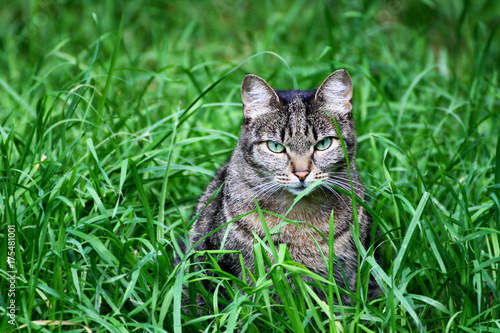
(115, 115)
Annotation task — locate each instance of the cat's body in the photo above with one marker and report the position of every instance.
(288, 142)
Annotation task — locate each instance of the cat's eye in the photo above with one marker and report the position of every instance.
(323, 144)
(275, 147)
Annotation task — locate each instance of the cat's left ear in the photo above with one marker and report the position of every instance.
(336, 91)
(257, 95)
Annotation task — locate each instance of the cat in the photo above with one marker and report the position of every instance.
(288, 141)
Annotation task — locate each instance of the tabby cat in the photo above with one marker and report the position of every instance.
(288, 141)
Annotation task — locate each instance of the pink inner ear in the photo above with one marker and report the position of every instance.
(247, 112)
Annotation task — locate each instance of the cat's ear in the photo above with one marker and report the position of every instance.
(336, 91)
(257, 96)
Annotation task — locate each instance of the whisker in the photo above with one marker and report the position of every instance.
(261, 192)
(249, 190)
(347, 186)
(347, 179)
(321, 187)
(276, 188)
(344, 184)
(341, 172)
(335, 193)
(265, 190)
(367, 189)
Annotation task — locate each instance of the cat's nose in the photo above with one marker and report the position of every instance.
(301, 174)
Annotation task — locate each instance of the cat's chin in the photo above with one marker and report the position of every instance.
(297, 190)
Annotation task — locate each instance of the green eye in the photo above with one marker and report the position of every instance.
(275, 147)
(324, 144)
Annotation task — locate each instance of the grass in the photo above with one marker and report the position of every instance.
(114, 117)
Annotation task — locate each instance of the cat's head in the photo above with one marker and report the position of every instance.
(290, 135)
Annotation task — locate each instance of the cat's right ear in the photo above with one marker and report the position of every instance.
(257, 96)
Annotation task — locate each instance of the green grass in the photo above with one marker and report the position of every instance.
(114, 117)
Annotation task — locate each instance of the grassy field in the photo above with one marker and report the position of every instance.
(114, 116)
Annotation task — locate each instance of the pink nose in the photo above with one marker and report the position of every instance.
(301, 174)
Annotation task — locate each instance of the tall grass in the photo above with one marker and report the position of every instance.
(114, 117)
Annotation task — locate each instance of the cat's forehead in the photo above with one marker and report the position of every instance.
(297, 117)
(298, 124)
(299, 134)
(288, 96)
